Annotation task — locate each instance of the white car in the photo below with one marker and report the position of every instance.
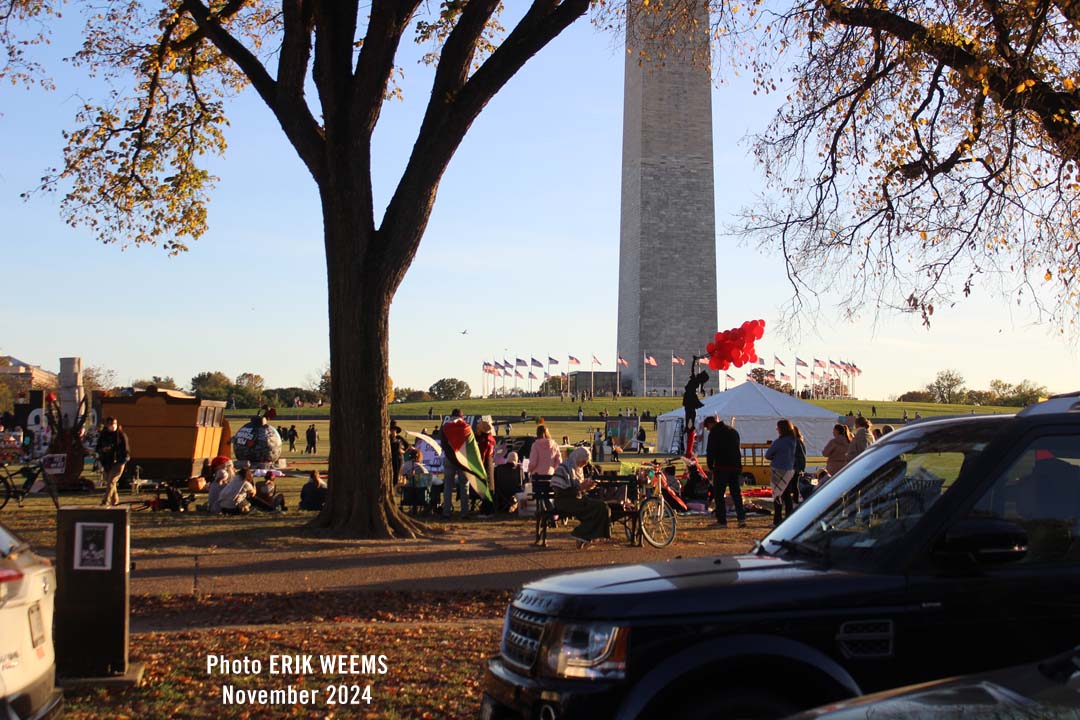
(27, 660)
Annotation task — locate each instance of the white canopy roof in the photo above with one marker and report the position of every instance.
(756, 409)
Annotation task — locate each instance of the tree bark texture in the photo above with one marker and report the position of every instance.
(360, 498)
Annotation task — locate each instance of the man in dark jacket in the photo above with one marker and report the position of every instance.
(112, 450)
(724, 458)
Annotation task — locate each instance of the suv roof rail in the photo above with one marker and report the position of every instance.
(1068, 402)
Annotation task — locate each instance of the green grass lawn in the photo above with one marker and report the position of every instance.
(535, 407)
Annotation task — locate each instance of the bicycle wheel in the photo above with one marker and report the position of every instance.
(657, 522)
(6, 491)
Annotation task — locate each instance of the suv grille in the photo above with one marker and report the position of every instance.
(866, 638)
(521, 639)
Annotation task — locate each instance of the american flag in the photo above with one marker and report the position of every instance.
(596, 360)
(778, 361)
(622, 361)
(799, 362)
(532, 375)
(521, 363)
(650, 360)
(506, 373)
(497, 365)
(573, 360)
(676, 360)
(547, 375)
(801, 376)
(819, 363)
(536, 363)
(517, 373)
(760, 361)
(729, 378)
(552, 361)
(785, 377)
(833, 365)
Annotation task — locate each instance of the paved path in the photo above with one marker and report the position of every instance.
(473, 555)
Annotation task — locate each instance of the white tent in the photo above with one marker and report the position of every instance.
(756, 409)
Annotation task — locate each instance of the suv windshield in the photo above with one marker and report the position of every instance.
(9, 542)
(882, 494)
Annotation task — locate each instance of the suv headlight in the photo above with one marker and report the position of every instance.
(592, 650)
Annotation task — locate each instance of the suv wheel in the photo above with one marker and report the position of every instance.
(737, 704)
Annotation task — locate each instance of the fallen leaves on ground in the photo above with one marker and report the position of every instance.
(184, 612)
(434, 670)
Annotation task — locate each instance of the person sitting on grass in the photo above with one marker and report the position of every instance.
(236, 496)
(221, 469)
(313, 494)
(266, 496)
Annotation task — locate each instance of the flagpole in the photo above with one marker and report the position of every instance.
(592, 377)
(796, 376)
(644, 375)
(673, 373)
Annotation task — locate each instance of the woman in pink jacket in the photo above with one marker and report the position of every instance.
(545, 455)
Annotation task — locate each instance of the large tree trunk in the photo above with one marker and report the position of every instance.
(360, 500)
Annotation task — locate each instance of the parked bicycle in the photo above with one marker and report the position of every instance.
(655, 520)
(17, 483)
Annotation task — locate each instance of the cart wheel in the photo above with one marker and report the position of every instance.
(657, 522)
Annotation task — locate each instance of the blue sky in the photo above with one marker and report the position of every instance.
(522, 250)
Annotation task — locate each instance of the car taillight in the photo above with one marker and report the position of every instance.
(8, 575)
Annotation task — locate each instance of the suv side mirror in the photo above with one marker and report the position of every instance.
(986, 541)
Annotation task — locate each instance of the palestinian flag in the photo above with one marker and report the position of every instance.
(461, 441)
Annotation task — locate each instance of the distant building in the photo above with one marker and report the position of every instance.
(22, 377)
(601, 382)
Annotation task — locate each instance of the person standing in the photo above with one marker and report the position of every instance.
(580, 413)
(641, 440)
(862, 439)
(781, 457)
(291, 437)
(544, 456)
(723, 456)
(397, 450)
(800, 466)
(453, 474)
(598, 445)
(486, 441)
(113, 454)
(835, 451)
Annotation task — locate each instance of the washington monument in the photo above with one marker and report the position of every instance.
(667, 253)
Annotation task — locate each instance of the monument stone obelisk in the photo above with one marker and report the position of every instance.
(667, 253)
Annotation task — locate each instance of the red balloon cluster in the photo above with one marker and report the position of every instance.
(735, 346)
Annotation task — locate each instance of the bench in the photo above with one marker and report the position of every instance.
(615, 493)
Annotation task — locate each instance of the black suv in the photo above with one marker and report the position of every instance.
(949, 547)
